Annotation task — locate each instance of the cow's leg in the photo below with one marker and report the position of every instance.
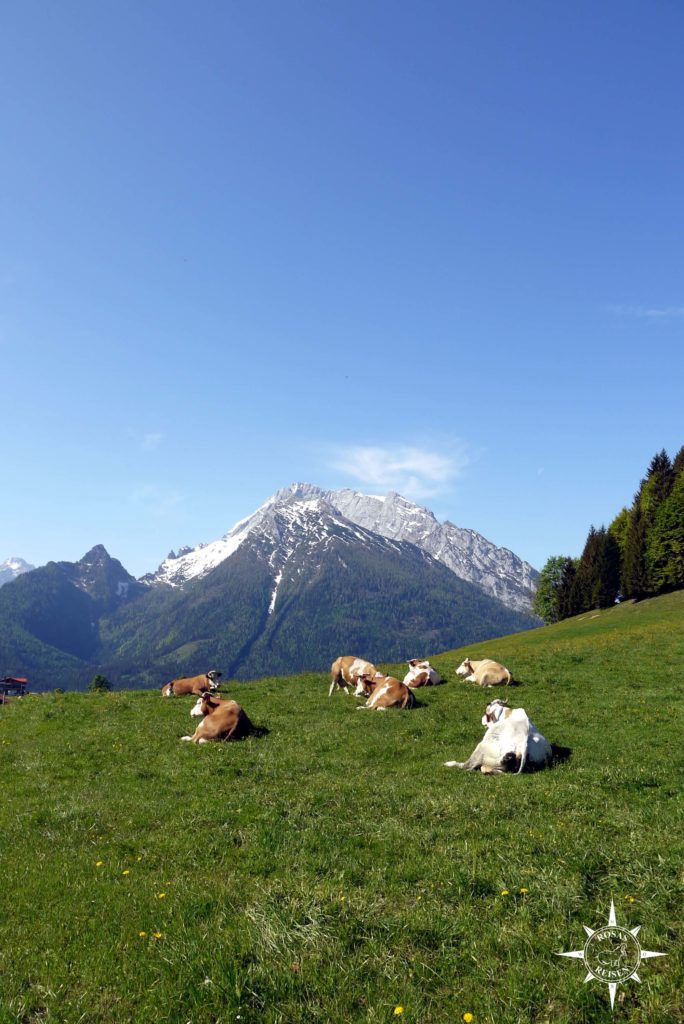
(195, 736)
(337, 679)
(476, 759)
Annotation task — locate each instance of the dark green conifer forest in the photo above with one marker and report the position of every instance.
(641, 553)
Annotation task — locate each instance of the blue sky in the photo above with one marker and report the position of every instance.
(423, 246)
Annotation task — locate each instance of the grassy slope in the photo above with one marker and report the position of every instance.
(333, 870)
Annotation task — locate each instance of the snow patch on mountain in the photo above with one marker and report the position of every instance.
(13, 567)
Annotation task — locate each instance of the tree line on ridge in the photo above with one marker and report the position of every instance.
(641, 553)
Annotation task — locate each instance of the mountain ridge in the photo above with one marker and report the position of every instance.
(498, 571)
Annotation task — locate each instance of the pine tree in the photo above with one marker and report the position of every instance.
(653, 491)
(678, 463)
(634, 579)
(583, 584)
(665, 544)
(565, 589)
(606, 577)
(657, 485)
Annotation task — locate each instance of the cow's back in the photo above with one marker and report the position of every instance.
(491, 673)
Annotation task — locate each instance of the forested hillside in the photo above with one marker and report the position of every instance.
(640, 554)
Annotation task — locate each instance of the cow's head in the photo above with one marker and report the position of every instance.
(212, 678)
(495, 710)
(465, 668)
(366, 684)
(208, 703)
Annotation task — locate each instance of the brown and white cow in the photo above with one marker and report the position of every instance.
(421, 673)
(385, 692)
(192, 684)
(484, 673)
(511, 743)
(346, 672)
(222, 720)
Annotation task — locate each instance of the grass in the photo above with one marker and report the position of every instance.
(333, 870)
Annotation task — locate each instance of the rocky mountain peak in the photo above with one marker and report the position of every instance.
(13, 567)
(303, 509)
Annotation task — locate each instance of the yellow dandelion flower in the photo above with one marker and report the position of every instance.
(524, 889)
(139, 858)
(398, 1010)
(468, 1017)
(162, 896)
(126, 872)
(504, 892)
(142, 934)
(631, 899)
(99, 863)
(157, 935)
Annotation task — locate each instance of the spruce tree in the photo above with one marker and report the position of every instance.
(606, 575)
(678, 463)
(565, 589)
(634, 579)
(653, 492)
(665, 544)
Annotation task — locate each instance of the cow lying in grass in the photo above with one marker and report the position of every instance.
(346, 672)
(484, 673)
(421, 673)
(192, 684)
(384, 692)
(511, 743)
(221, 720)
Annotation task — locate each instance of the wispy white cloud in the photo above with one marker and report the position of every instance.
(151, 441)
(650, 312)
(156, 499)
(412, 471)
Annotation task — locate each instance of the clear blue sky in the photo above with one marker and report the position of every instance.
(428, 246)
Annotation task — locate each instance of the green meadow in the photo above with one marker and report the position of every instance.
(332, 870)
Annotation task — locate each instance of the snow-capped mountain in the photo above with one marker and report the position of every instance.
(13, 567)
(470, 556)
(301, 583)
(286, 590)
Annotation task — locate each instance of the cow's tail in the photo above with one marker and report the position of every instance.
(523, 753)
(411, 700)
(335, 679)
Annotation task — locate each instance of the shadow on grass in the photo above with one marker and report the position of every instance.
(559, 755)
